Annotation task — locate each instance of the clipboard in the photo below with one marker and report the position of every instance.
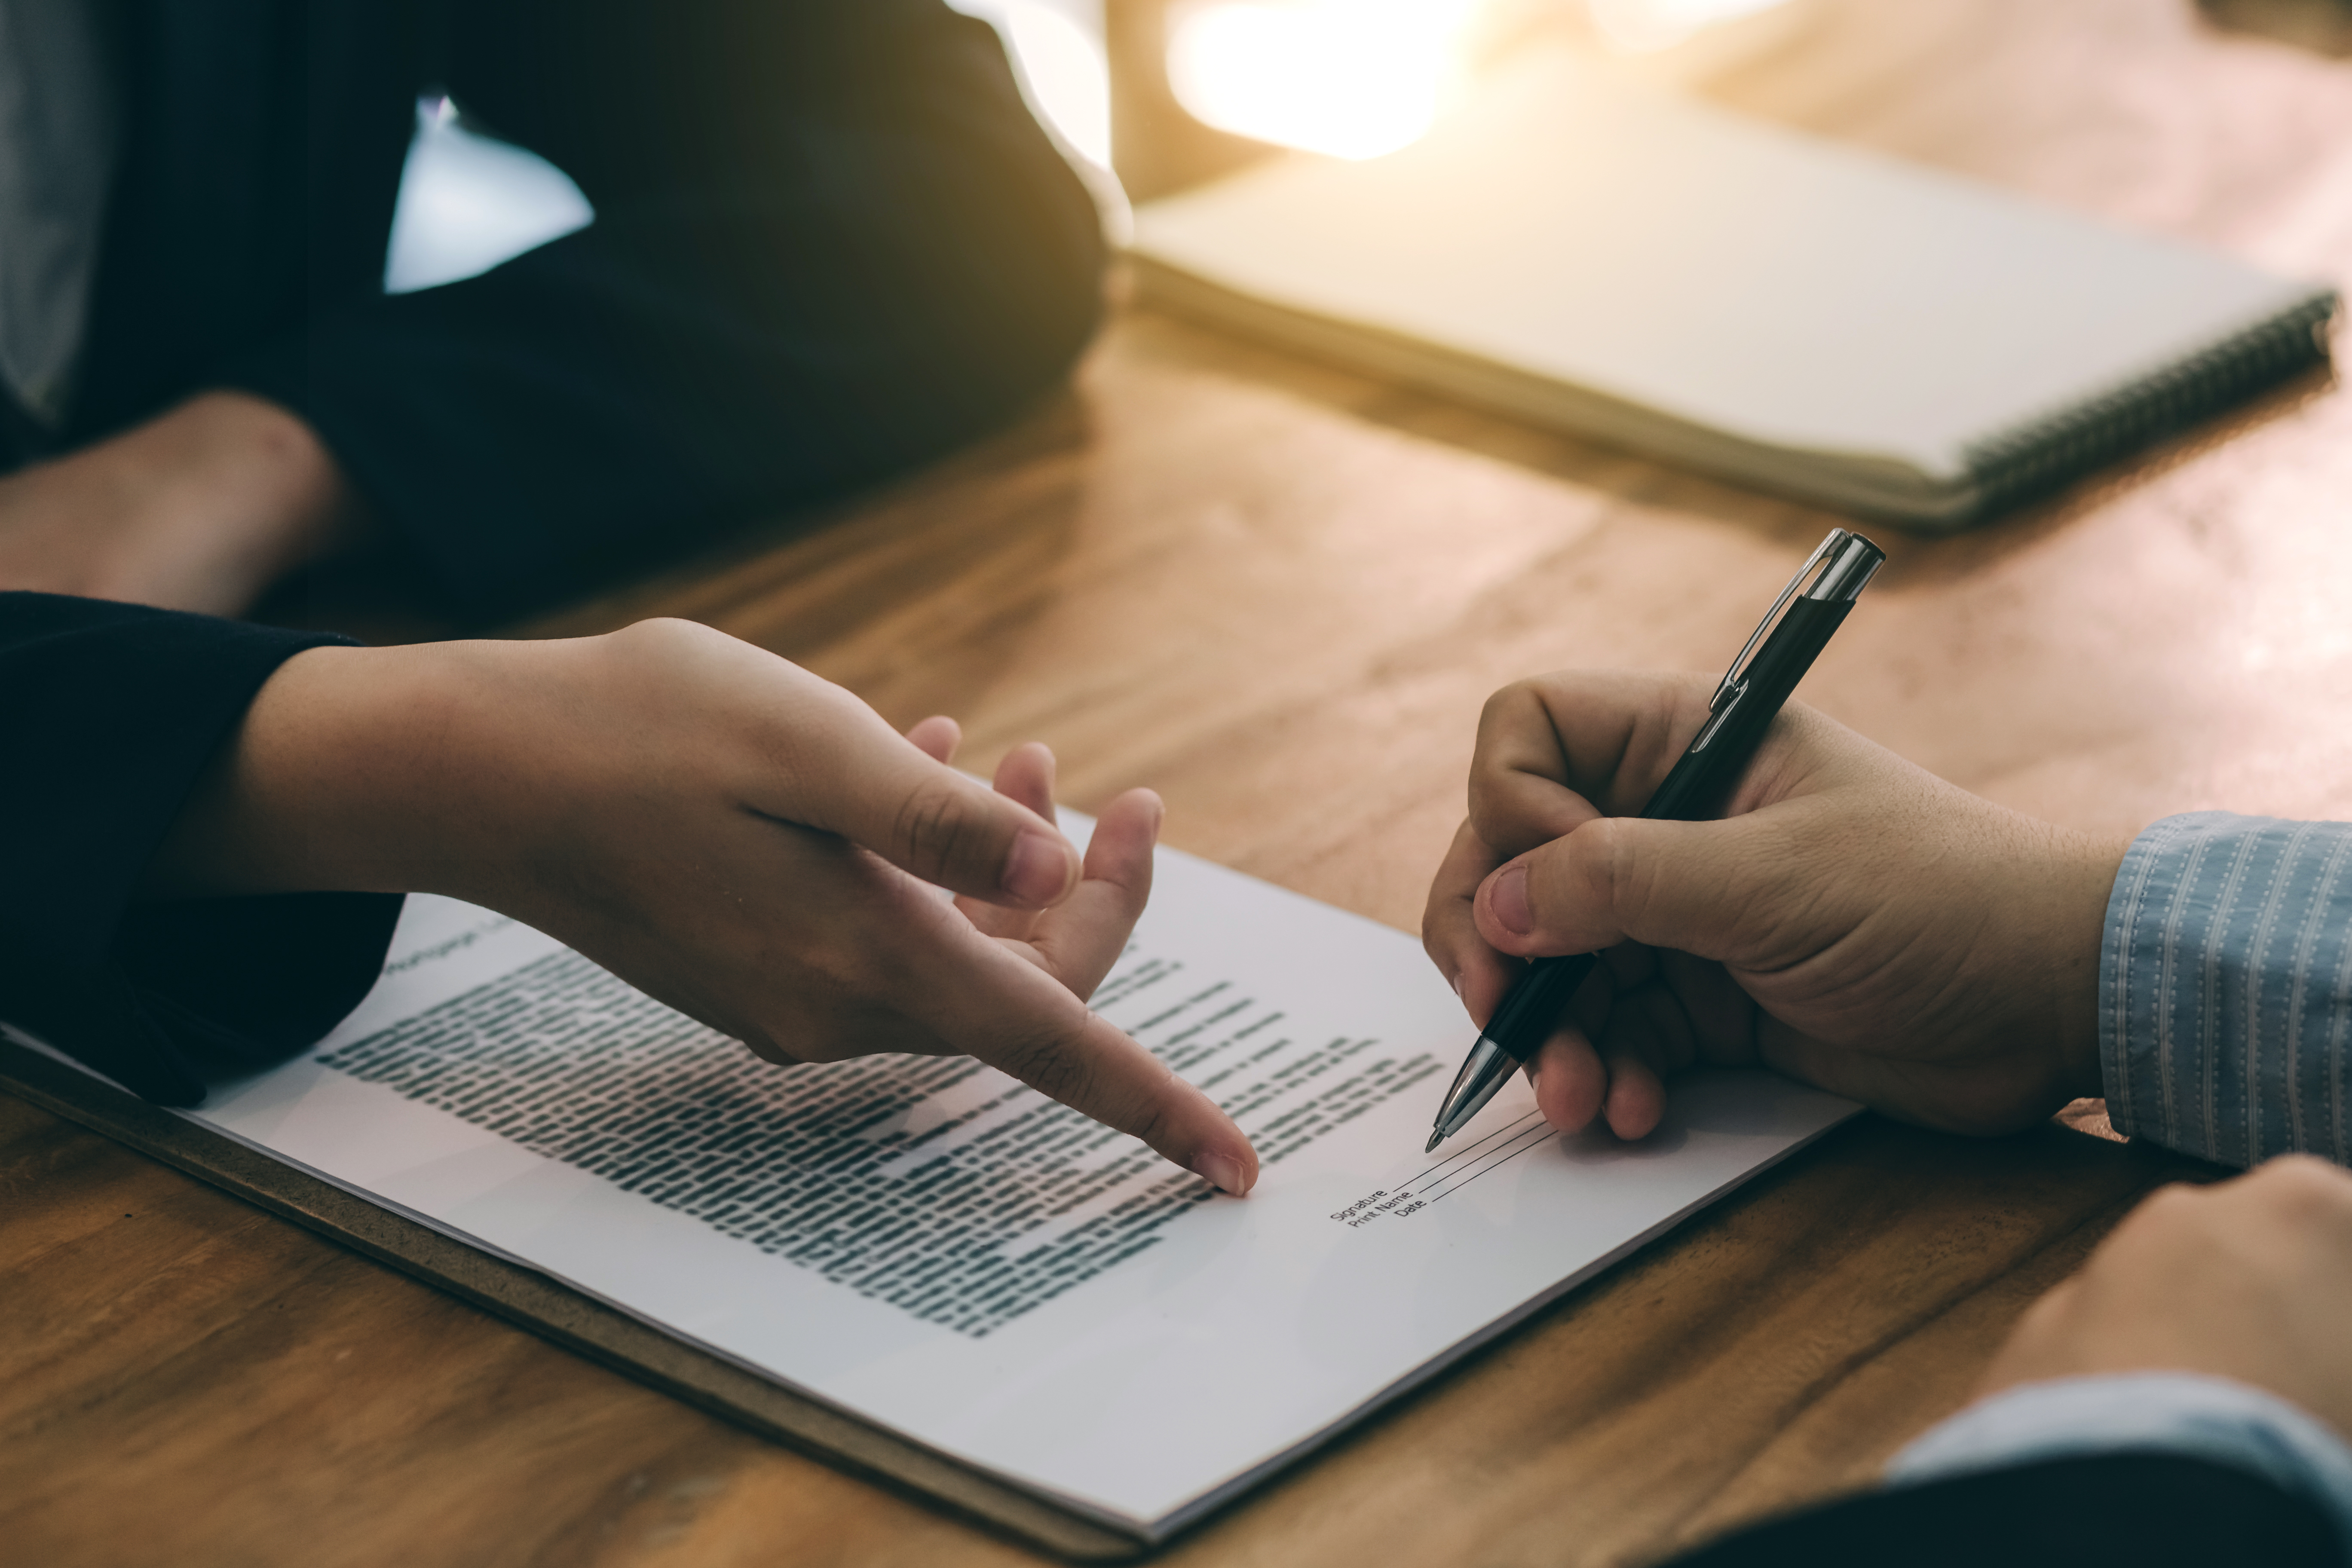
(539, 1305)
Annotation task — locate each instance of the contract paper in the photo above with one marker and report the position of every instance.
(938, 1248)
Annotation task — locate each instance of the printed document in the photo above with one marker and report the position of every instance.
(934, 1246)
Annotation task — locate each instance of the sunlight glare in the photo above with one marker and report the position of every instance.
(1057, 52)
(1353, 78)
(1640, 25)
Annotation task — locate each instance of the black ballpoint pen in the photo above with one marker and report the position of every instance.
(1817, 599)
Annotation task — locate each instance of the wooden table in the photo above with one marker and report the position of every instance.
(1278, 595)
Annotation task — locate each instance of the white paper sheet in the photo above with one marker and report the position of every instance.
(931, 1245)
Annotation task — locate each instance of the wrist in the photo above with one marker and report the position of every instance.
(348, 773)
(2084, 878)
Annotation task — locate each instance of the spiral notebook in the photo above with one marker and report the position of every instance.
(921, 1267)
(1587, 252)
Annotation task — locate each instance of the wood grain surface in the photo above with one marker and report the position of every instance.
(1277, 593)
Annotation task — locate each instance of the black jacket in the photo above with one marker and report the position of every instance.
(2114, 1511)
(830, 242)
(112, 712)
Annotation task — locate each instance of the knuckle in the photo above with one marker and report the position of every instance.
(937, 826)
(1603, 863)
(1689, 683)
(1503, 701)
(1047, 1056)
(660, 636)
(1147, 1119)
(2169, 1207)
(2302, 1184)
(675, 667)
(1501, 713)
(1448, 931)
(2303, 1171)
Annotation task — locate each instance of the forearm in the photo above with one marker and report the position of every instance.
(369, 769)
(198, 509)
(231, 452)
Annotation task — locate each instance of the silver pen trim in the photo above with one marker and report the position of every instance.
(1460, 1107)
(1836, 539)
(1856, 560)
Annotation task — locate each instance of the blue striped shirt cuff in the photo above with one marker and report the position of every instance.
(2225, 987)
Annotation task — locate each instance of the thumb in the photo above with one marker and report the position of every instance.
(876, 788)
(1698, 887)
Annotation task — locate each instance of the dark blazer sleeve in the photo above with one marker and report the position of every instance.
(830, 242)
(111, 712)
(2118, 1510)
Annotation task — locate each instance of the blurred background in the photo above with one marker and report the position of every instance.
(1144, 96)
(1149, 96)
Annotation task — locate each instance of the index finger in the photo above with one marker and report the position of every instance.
(979, 997)
(1449, 929)
(1557, 750)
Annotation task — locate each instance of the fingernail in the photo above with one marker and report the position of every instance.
(1509, 900)
(1221, 1171)
(1037, 870)
(1458, 995)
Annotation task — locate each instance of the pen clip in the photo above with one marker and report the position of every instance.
(1732, 679)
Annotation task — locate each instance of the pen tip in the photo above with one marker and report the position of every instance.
(1434, 1140)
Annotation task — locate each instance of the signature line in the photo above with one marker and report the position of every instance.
(1542, 1136)
(1470, 1150)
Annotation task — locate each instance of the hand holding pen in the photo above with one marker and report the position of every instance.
(1765, 671)
(1850, 919)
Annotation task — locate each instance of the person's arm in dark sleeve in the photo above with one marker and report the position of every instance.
(2113, 1511)
(830, 243)
(113, 713)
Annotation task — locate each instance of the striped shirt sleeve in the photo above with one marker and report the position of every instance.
(2225, 987)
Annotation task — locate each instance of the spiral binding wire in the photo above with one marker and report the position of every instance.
(2032, 460)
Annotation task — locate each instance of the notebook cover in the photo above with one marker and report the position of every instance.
(1587, 252)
